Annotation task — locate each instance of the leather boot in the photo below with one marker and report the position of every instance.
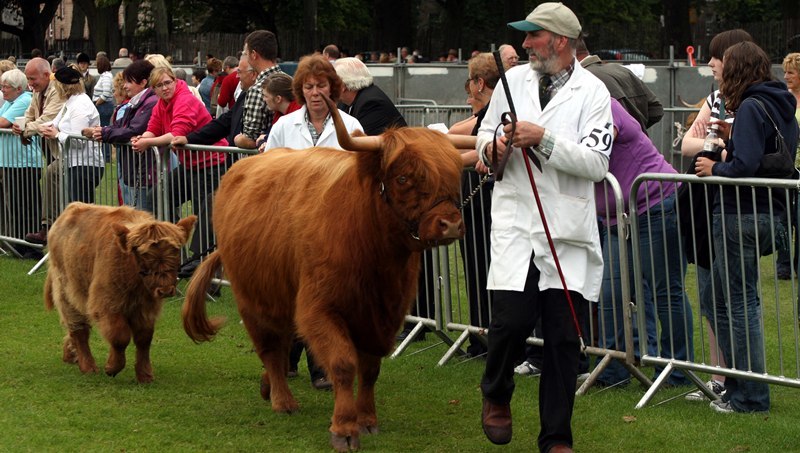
(496, 420)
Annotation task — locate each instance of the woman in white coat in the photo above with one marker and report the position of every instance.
(307, 127)
(82, 159)
(312, 124)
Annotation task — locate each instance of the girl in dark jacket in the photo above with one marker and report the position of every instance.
(743, 217)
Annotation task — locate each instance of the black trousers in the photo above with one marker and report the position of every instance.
(514, 315)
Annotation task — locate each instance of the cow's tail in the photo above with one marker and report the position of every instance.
(48, 292)
(195, 320)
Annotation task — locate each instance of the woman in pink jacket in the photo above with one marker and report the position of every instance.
(178, 113)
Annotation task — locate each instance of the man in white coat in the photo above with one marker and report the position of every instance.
(565, 120)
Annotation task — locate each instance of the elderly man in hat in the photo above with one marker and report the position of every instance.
(564, 130)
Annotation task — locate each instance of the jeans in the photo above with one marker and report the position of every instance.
(664, 297)
(738, 307)
(139, 197)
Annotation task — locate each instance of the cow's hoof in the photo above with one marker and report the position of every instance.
(345, 443)
(370, 429)
(144, 379)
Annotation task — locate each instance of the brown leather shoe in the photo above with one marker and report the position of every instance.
(496, 420)
(560, 449)
(39, 237)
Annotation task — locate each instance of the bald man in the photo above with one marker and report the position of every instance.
(45, 105)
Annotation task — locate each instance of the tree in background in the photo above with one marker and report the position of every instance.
(34, 15)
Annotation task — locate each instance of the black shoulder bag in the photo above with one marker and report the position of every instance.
(779, 163)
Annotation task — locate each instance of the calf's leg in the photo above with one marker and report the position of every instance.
(117, 332)
(79, 336)
(142, 338)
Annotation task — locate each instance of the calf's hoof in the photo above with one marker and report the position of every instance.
(345, 443)
(145, 378)
(264, 389)
(368, 429)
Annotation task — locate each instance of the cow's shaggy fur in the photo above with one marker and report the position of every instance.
(325, 243)
(112, 266)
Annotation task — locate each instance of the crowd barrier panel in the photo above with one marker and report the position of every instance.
(774, 316)
(21, 167)
(453, 307)
(423, 115)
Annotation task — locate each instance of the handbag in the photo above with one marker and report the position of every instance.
(779, 163)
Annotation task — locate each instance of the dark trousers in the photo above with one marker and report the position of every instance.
(197, 186)
(83, 181)
(514, 315)
(477, 215)
(314, 370)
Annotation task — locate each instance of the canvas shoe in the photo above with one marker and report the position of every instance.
(527, 369)
(721, 407)
(716, 387)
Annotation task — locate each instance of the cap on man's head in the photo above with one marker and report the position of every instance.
(68, 76)
(553, 17)
(83, 58)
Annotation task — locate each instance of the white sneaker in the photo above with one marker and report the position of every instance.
(527, 369)
(721, 407)
(714, 386)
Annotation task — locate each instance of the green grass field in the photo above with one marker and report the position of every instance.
(205, 399)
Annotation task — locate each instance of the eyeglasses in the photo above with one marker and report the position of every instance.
(239, 71)
(164, 84)
(6, 87)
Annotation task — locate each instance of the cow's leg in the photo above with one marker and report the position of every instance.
(328, 338)
(142, 338)
(117, 332)
(79, 336)
(369, 367)
(273, 350)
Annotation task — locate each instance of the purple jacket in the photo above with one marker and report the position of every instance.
(134, 122)
(134, 169)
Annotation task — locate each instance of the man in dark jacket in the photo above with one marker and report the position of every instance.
(229, 124)
(365, 101)
(624, 86)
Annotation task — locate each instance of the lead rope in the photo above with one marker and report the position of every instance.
(510, 118)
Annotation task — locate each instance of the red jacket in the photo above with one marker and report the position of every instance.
(227, 90)
(183, 114)
(292, 107)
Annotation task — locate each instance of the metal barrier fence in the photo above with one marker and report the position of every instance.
(452, 298)
(422, 115)
(751, 335)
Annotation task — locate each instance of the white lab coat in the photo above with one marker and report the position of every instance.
(579, 115)
(291, 131)
(78, 113)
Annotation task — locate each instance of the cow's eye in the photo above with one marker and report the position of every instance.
(401, 179)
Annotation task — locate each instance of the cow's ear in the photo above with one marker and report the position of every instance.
(186, 224)
(122, 236)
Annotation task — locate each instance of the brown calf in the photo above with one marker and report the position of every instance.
(112, 266)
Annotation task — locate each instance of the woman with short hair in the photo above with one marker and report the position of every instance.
(312, 124)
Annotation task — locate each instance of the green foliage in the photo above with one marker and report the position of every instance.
(619, 12)
(747, 11)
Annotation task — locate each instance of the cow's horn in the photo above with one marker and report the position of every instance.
(462, 141)
(345, 140)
